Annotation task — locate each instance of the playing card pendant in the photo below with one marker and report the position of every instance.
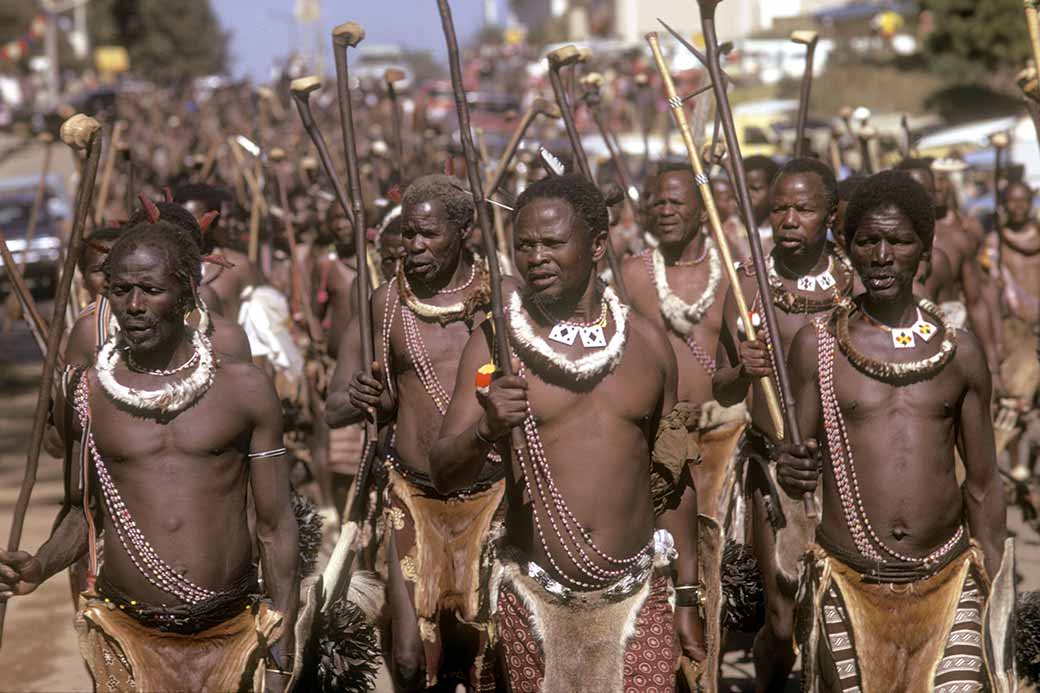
(825, 281)
(592, 337)
(903, 338)
(807, 283)
(923, 329)
(564, 334)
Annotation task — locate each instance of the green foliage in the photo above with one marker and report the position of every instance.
(977, 40)
(168, 42)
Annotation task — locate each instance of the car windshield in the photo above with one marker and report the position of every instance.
(14, 216)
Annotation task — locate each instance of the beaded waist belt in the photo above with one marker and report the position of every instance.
(894, 571)
(185, 619)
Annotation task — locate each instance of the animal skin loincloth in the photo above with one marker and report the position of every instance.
(611, 640)
(440, 541)
(929, 634)
(124, 655)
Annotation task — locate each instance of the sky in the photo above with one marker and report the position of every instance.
(265, 29)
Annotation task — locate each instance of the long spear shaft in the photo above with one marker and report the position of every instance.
(715, 223)
(783, 379)
(79, 131)
(473, 174)
(29, 309)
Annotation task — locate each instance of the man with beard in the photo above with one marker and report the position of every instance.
(909, 585)
(576, 603)
(808, 276)
(1014, 261)
(680, 286)
(960, 250)
(175, 443)
(422, 318)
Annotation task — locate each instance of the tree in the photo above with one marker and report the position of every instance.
(168, 42)
(973, 41)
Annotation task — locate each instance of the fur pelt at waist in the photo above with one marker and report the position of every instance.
(899, 631)
(225, 657)
(450, 536)
(583, 637)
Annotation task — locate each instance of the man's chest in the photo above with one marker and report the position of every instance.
(866, 400)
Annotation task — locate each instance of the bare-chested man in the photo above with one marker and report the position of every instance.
(906, 558)
(422, 319)
(1014, 261)
(729, 213)
(93, 328)
(174, 442)
(964, 298)
(761, 172)
(574, 595)
(808, 276)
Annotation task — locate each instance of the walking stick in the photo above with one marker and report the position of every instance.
(336, 577)
(472, 172)
(301, 89)
(560, 58)
(391, 76)
(106, 172)
(538, 107)
(865, 135)
(1000, 142)
(1033, 22)
(791, 432)
(300, 299)
(904, 123)
(808, 39)
(30, 311)
(46, 139)
(128, 160)
(592, 98)
(79, 132)
(715, 223)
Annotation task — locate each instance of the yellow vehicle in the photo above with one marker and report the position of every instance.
(759, 125)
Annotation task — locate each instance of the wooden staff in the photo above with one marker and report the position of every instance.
(1030, 86)
(865, 136)
(539, 107)
(791, 432)
(300, 298)
(714, 222)
(908, 135)
(391, 77)
(46, 139)
(301, 89)
(21, 291)
(1033, 22)
(558, 59)
(337, 573)
(128, 162)
(106, 172)
(834, 149)
(1000, 142)
(79, 132)
(497, 314)
(592, 98)
(808, 39)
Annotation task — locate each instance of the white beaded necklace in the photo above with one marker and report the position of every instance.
(589, 367)
(682, 316)
(171, 397)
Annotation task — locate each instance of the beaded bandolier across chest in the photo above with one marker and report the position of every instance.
(537, 476)
(866, 539)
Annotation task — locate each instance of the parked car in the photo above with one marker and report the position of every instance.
(41, 258)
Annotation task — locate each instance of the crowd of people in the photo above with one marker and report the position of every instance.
(597, 500)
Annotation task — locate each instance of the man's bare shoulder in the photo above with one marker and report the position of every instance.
(646, 334)
(970, 358)
(80, 348)
(803, 351)
(229, 339)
